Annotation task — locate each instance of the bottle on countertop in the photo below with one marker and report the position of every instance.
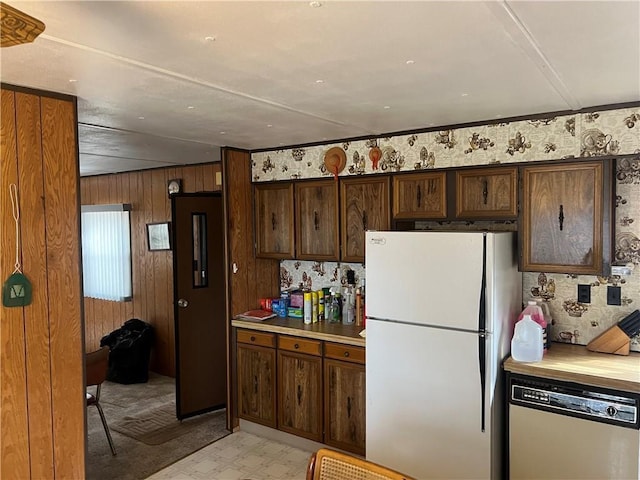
(327, 304)
(348, 306)
(527, 344)
(546, 313)
(320, 294)
(314, 307)
(307, 312)
(359, 310)
(536, 314)
(336, 307)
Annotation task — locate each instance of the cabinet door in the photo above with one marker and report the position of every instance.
(274, 220)
(489, 193)
(317, 220)
(364, 206)
(257, 384)
(300, 394)
(566, 218)
(344, 405)
(420, 196)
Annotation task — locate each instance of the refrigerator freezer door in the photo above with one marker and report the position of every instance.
(424, 402)
(429, 278)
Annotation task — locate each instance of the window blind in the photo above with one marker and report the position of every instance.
(106, 252)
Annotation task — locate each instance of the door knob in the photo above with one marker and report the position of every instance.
(182, 303)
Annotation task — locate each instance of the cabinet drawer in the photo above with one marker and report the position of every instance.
(256, 338)
(348, 353)
(295, 344)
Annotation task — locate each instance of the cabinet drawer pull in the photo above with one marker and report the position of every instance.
(561, 217)
(296, 346)
(485, 191)
(419, 195)
(364, 220)
(299, 394)
(349, 407)
(346, 354)
(273, 221)
(316, 221)
(255, 384)
(253, 339)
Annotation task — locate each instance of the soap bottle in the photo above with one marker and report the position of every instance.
(527, 344)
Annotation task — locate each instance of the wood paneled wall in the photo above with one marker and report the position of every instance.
(42, 407)
(146, 191)
(253, 278)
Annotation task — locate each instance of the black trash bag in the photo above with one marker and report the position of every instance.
(129, 352)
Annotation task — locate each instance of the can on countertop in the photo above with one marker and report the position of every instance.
(265, 304)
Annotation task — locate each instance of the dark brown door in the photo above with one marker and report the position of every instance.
(344, 387)
(299, 383)
(365, 206)
(199, 303)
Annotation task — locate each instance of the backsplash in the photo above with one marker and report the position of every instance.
(610, 132)
(316, 275)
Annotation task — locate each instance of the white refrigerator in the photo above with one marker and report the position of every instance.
(440, 313)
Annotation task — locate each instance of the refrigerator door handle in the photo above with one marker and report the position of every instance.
(482, 361)
(482, 338)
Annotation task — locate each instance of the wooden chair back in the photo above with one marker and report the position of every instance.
(328, 464)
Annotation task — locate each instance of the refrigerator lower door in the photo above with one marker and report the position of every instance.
(423, 402)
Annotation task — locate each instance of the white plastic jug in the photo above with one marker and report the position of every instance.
(527, 344)
(537, 315)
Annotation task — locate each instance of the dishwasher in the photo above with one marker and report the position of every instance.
(563, 430)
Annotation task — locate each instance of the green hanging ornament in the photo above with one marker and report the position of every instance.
(17, 290)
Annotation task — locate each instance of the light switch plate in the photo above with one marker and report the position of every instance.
(584, 293)
(614, 295)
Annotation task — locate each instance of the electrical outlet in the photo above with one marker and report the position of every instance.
(614, 297)
(584, 293)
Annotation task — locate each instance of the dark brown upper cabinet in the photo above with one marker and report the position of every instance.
(565, 222)
(364, 206)
(274, 220)
(317, 220)
(487, 193)
(420, 196)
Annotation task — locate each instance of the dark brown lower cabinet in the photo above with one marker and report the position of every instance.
(344, 405)
(300, 388)
(256, 378)
(318, 387)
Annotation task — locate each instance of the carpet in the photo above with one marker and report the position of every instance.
(136, 459)
(159, 425)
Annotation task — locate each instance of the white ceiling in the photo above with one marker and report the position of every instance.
(139, 66)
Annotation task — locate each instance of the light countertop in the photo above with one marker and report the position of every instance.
(331, 332)
(574, 363)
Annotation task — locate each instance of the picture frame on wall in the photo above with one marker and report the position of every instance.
(159, 236)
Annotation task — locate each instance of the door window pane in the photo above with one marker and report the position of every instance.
(200, 272)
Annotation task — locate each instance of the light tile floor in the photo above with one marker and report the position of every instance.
(240, 456)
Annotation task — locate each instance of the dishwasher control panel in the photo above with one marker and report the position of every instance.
(618, 408)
